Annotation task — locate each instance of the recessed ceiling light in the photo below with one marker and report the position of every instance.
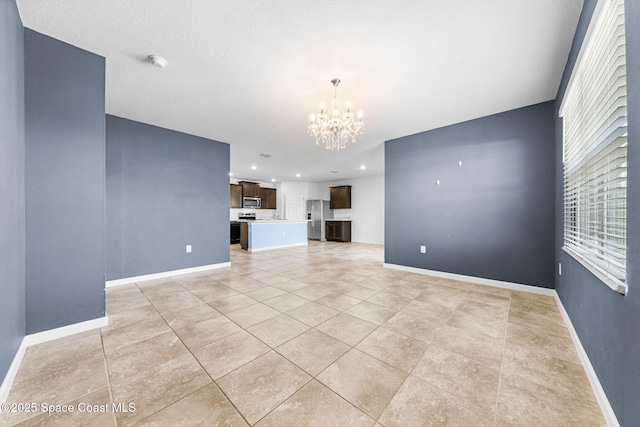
(230, 173)
(254, 167)
(265, 155)
(297, 175)
(273, 180)
(333, 171)
(363, 167)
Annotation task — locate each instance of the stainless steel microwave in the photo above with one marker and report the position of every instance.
(251, 202)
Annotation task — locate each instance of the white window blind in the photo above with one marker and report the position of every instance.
(595, 150)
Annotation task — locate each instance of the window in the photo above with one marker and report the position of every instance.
(595, 149)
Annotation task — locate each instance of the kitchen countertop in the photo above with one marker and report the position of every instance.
(338, 219)
(273, 221)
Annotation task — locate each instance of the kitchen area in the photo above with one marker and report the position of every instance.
(256, 223)
(323, 224)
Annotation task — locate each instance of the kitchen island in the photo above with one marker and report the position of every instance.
(261, 235)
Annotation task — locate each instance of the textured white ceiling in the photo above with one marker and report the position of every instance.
(250, 72)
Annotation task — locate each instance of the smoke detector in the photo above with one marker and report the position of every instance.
(157, 61)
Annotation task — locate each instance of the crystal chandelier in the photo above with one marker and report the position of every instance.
(337, 126)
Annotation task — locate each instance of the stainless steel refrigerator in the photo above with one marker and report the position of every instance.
(318, 212)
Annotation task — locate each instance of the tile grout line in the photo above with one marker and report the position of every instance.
(227, 397)
(171, 404)
(466, 357)
(197, 361)
(315, 377)
(106, 367)
(298, 260)
(279, 404)
(504, 344)
(172, 331)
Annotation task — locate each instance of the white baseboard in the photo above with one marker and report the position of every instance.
(476, 280)
(277, 247)
(41, 337)
(603, 401)
(65, 331)
(164, 274)
(11, 373)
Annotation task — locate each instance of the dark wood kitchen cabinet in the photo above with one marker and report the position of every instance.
(235, 232)
(338, 231)
(250, 189)
(235, 196)
(244, 235)
(340, 197)
(268, 198)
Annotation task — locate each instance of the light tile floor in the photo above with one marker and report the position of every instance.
(315, 336)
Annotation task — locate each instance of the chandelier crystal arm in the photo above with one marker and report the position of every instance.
(335, 127)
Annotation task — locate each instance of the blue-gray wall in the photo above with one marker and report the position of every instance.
(493, 217)
(65, 183)
(608, 323)
(165, 190)
(12, 216)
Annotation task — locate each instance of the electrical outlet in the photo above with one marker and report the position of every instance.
(188, 249)
(423, 249)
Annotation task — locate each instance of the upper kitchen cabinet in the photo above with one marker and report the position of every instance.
(340, 197)
(250, 189)
(267, 198)
(235, 196)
